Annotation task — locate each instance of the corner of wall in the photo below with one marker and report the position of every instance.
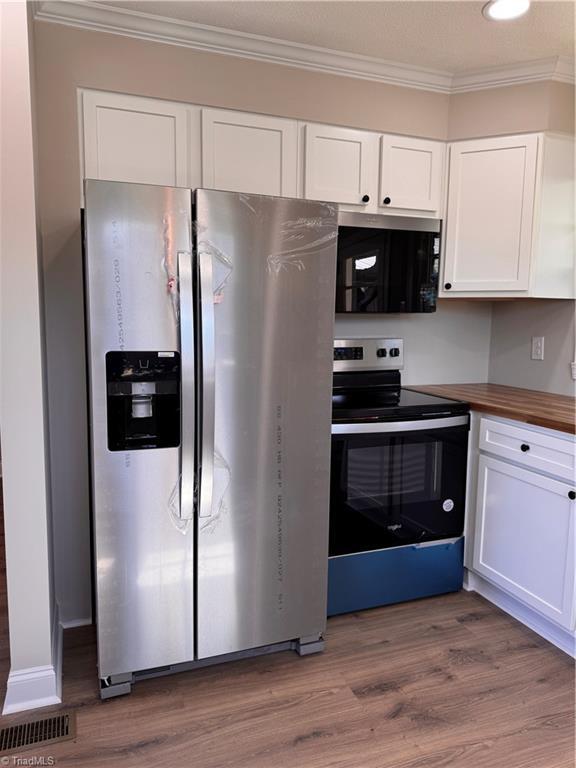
(35, 637)
(513, 325)
(490, 342)
(561, 106)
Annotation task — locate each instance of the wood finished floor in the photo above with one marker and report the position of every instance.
(448, 681)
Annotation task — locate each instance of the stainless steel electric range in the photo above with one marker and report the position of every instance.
(398, 481)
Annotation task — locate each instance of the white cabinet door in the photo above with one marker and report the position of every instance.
(242, 152)
(127, 138)
(490, 214)
(341, 166)
(411, 173)
(524, 539)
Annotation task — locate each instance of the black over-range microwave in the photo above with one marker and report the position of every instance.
(387, 263)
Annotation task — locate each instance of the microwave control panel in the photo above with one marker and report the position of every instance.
(368, 354)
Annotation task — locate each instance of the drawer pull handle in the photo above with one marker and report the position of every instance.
(572, 495)
(524, 448)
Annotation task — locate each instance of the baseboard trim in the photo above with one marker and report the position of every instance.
(37, 687)
(556, 635)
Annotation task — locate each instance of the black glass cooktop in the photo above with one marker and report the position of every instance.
(377, 396)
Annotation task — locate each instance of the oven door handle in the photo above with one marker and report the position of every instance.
(435, 543)
(418, 425)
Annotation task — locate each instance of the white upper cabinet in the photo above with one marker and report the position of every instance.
(127, 138)
(340, 166)
(510, 218)
(524, 538)
(244, 152)
(509, 223)
(490, 209)
(411, 175)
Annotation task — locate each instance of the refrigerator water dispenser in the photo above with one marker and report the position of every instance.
(143, 400)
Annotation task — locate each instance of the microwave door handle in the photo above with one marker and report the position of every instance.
(187, 403)
(208, 384)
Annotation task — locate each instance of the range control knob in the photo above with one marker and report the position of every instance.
(382, 352)
(394, 352)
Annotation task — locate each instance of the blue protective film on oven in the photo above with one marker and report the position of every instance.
(382, 577)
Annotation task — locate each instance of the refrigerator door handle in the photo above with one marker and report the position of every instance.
(187, 438)
(208, 384)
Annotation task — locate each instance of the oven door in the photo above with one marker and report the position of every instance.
(397, 483)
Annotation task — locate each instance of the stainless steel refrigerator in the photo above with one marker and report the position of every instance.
(210, 326)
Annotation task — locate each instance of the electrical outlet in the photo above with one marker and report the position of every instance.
(573, 370)
(537, 347)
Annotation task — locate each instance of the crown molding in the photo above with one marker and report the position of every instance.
(556, 68)
(144, 26)
(96, 16)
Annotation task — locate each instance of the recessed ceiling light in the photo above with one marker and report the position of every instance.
(503, 10)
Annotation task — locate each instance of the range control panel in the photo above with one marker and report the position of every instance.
(368, 354)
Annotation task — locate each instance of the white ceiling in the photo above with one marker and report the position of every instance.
(451, 36)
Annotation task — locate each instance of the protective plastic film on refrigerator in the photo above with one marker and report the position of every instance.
(210, 326)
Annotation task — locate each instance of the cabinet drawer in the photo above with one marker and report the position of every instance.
(547, 453)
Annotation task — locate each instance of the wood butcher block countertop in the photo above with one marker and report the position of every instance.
(540, 408)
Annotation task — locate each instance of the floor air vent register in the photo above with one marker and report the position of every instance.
(37, 733)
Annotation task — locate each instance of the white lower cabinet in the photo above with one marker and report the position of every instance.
(524, 537)
(552, 453)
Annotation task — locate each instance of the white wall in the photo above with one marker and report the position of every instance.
(451, 346)
(34, 674)
(513, 325)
